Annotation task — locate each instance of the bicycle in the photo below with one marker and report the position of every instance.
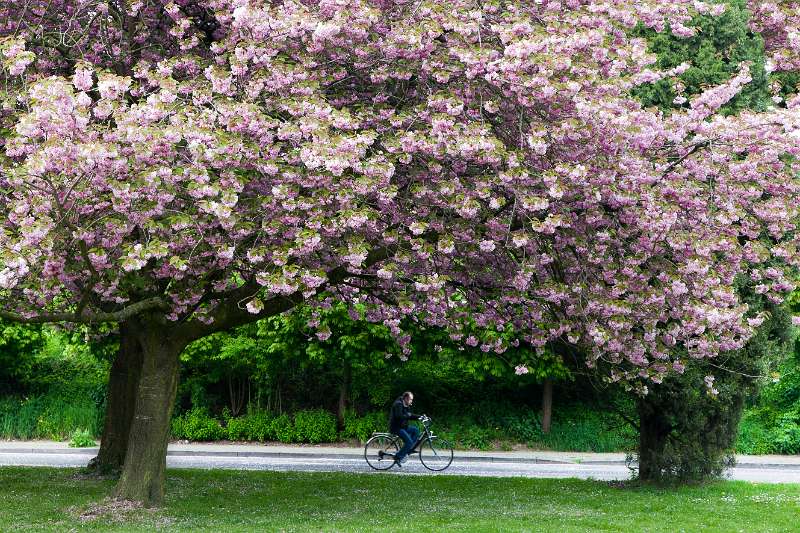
(435, 453)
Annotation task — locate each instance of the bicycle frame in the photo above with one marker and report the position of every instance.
(424, 434)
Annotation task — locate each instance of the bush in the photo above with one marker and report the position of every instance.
(786, 434)
(523, 427)
(754, 436)
(197, 425)
(255, 426)
(581, 429)
(283, 429)
(315, 426)
(685, 434)
(362, 428)
(476, 437)
(236, 428)
(81, 438)
(259, 426)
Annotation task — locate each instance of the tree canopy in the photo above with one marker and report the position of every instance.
(481, 159)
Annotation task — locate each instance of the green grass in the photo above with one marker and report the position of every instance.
(44, 499)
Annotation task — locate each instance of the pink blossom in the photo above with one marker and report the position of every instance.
(487, 246)
(82, 79)
(255, 306)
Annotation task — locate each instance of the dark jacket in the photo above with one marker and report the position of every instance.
(399, 416)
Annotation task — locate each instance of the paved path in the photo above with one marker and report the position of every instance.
(766, 469)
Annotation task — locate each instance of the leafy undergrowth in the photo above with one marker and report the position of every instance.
(45, 499)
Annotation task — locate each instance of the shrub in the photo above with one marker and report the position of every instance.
(363, 427)
(176, 427)
(236, 428)
(349, 429)
(754, 436)
(685, 434)
(259, 426)
(786, 434)
(476, 437)
(523, 427)
(81, 438)
(315, 426)
(581, 429)
(197, 425)
(283, 428)
(255, 426)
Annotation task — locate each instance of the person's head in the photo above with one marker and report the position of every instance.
(408, 398)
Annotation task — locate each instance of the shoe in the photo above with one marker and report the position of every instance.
(403, 460)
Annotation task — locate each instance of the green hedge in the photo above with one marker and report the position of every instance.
(197, 425)
(315, 426)
(362, 427)
(283, 428)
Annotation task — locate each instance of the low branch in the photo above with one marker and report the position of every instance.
(149, 304)
(229, 314)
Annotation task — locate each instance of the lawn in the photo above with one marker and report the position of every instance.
(45, 499)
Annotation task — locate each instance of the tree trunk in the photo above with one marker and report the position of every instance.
(654, 429)
(344, 390)
(145, 463)
(237, 388)
(547, 405)
(123, 383)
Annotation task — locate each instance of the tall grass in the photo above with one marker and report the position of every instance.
(47, 417)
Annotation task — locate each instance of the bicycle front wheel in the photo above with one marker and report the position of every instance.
(379, 451)
(436, 454)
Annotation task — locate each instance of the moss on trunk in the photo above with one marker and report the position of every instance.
(123, 386)
(142, 476)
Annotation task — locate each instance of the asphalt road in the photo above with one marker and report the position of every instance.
(763, 474)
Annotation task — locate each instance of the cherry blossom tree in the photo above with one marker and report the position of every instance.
(779, 24)
(184, 167)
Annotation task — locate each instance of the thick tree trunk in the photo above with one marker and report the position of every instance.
(344, 391)
(123, 384)
(654, 429)
(143, 471)
(547, 405)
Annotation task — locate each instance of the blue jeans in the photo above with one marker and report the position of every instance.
(409, 436)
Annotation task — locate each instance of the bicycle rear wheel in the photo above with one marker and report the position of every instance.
(436, 454)
(379, 451)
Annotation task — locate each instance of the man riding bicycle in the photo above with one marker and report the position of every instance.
(398, 424)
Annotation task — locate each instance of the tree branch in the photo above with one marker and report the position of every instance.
(149, 304)
(229, 314)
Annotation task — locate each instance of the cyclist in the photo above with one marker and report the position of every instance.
(398, 424)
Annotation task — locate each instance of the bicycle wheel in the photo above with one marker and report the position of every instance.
(379, 451)
(435, 453)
